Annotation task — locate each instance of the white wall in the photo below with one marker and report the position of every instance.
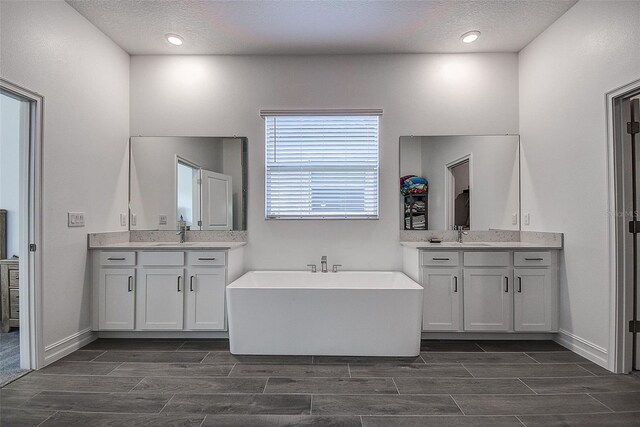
(420, 95)
(564, 76)
(494, 178)
(47, 47)
(10, 128)
(153, 175)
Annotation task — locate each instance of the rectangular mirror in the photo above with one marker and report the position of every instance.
(199, 179)
(467, 181)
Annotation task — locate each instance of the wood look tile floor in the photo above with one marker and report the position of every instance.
(200, 383)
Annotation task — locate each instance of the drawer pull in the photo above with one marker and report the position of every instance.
(441, 259)
(179, 280)
(506, 284)
(206, 259)
(455, 284)
(534, 259)
(191, 283)
(130, 284)
(520, 284)
(116, 259)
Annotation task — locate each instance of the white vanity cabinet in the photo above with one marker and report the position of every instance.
(160, 299)
(443, 309)
(160, 290)
(488, 299)
(489, 290)
(116, 296)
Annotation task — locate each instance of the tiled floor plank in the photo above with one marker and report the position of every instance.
(79, 383)
(384, 405)
(93, 419)
(460, 386)
(582, 420)
(200, 385)
(152, 356)
(275, 370)
(620, 401)
(331, 386)
(132, 369)
(610, 383)
(247, 404)
(23, 417)
(440, 421)
(527, 371)
(98, 402)
(471, 357)
(281, 421)
(524, 405)
(409, 370)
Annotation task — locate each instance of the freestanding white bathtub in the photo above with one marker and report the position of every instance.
(344, 314)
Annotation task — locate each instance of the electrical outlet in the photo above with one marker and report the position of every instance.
(75, 219)
(134, 220)
(514, 219)
(163, 219)
(527, 219)
(123, 220)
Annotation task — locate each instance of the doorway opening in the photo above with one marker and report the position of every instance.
(459, 193)
(624, 148)
(20, 171)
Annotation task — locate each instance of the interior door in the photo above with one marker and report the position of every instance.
(633, 132)
(217, 205)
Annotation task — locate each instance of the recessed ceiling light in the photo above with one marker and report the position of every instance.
(470, 37)
(174, 39)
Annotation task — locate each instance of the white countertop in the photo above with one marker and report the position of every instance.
(171, 245)
(479, 245)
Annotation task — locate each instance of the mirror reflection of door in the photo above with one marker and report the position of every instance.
(460, 202)
(217, 205)
(188, 194)
(204, 198)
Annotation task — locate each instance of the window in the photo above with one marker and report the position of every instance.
(321, 166)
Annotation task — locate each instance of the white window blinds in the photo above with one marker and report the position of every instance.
(322, 166)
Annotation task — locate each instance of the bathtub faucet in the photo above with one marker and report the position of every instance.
(323, 264)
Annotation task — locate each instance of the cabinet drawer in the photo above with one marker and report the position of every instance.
(14, 296)
(14, 312)
(117, 258)
(202, 258)
(443, 258)
(161, 258)
(14, 278)
(486, 259)
(532, 259)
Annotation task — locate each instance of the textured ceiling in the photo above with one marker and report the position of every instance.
(321, 26)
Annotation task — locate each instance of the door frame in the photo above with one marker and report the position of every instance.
(31, 227)
(449, 189)
(620, 341)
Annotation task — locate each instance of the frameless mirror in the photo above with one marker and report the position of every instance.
(200, 180)
(471, 182)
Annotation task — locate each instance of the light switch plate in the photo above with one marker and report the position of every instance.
(163, 219)
(123, 220)
(75, 219)
(527, 219)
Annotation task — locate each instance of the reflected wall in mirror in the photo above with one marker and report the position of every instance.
(471, 182)
(199, 179)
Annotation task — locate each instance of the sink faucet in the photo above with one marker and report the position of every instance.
(182, 224)
(459, 228)
(323, 264)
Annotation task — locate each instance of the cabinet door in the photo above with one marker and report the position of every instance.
(160, 298)
(488, 299)
(533, 300)
(206, 298)
(442, 289)
(116, 299)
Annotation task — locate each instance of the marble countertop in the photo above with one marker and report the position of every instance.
(479, 245)
(170, 245)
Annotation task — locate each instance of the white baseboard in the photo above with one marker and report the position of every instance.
(165, 334)
(68, 345)
(487, 336)
(584, 348)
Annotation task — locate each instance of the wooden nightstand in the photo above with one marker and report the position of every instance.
(10, 294)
